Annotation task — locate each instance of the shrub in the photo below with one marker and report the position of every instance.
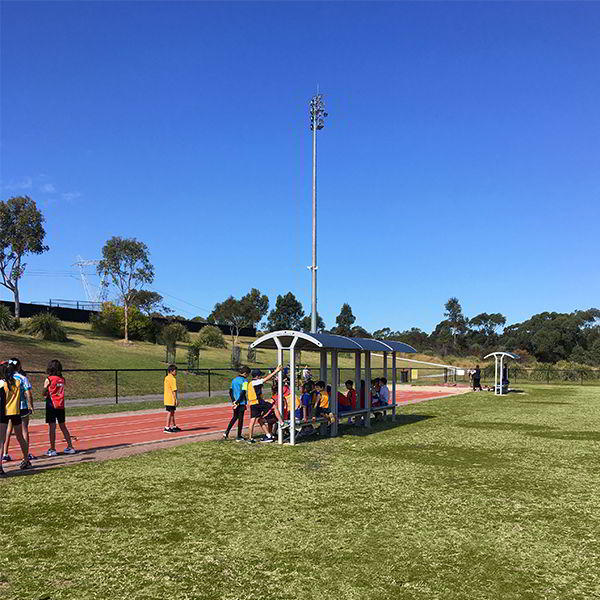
(212, 337)
(7, 321)
(194, 349)
(47, 326)
(110, 321)
(172, 333)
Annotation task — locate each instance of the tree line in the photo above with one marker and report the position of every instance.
(548, 337)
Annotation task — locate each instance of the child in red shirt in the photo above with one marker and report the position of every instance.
(54, 392)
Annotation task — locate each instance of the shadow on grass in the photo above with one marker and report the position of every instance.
(500, 426)
(575, 436)
(541, 402)
(357, 430)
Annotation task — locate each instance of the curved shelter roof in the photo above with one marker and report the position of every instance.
(497, 354)
(328, 341)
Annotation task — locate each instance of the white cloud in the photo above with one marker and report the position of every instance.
(25, 183)
(48, 188)
(70, 195)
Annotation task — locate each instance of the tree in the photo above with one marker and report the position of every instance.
(245, 312)
(21, 232)
(126, 261)
(148, 302)
(256, 306)
(306, 322)
(488, 323)
(288, 314)
(455, 319)
(171, 334)
(360, 332)
(344, 321)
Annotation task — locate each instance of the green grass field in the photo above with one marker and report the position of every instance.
(471, 497)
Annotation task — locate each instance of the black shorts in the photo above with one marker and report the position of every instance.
(170, 408)
(54, 415)
(25, 412)
(14, 419)
(259, 410)
(320, 411)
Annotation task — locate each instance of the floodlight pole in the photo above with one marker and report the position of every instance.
(317, 121)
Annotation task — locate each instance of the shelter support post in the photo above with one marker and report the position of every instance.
(394, 385)
(357, 378)
(368, 388)
(323, 369)
(385, 365)
(279, 389)
(333, 401)
(292, 404)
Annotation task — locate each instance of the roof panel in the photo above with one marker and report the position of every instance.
(328, 341)
(400, 346)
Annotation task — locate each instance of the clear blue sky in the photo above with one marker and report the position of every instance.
(461, 156)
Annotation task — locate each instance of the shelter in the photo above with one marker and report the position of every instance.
(328, 343)
(500, 381)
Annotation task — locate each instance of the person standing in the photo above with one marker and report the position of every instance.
(237, 393)
(170, 399)
(54, 392)
(477, 378)
(26, 407)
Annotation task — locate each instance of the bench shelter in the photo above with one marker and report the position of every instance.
(329, 346)
(500, 382)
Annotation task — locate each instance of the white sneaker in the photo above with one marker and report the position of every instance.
(70, 450)
(51, 453)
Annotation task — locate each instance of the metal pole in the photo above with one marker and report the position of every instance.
(280, 389)
(116, 387)
(323, 369)
(368, 389)
(293, 392)
(394, 385)
(333, 401)
(313, 316)
(209, 383)
(357, 378)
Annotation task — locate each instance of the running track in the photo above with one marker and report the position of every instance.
(143, 427)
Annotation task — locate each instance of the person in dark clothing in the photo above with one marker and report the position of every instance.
(477, 378)
(238, 400)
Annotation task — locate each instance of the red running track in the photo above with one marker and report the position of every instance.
(102, 432)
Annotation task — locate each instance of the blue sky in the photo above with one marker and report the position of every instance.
(461, 156)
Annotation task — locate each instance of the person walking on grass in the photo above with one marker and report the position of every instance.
(10, 402)
(170, 399)
(54, 392)
(26, 408)
(237, 393)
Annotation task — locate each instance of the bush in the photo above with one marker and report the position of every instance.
(7, 321)
(47, 326)
(212, 337)
(111, 322)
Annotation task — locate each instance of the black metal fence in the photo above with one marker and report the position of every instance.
(104, 386)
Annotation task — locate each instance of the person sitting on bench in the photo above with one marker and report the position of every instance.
(347, 401)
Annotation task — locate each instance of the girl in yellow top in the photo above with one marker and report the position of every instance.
(10, 409)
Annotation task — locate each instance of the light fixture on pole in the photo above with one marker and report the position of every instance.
(317, 121)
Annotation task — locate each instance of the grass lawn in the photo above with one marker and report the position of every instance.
(470, 497)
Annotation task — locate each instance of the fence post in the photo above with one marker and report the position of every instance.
(445, 375)
(116, 387)
(581, 376)
(209, 383)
